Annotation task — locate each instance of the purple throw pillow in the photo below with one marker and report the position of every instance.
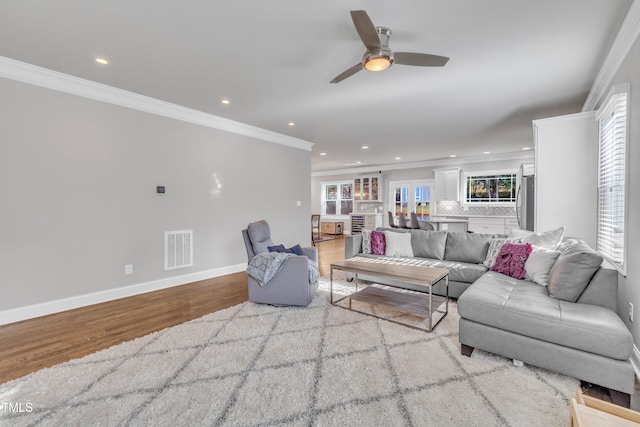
(378, 243)
(511, 259)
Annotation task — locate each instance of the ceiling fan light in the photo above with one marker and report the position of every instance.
(378, 63)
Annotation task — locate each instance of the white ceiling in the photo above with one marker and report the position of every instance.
(512, 61)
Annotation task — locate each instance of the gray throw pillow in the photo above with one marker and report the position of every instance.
(467, 247)
(428, 244)
(573, 270)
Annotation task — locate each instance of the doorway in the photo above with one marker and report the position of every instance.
(411, 196)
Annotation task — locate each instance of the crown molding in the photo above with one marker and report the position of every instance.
(523, 155)
(43, 77)
(566, 117)
(626, 37)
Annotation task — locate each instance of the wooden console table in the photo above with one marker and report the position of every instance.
(332, 227)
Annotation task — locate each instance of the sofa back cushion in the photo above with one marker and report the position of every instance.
(573, 270)
(467, 247)
(428, 244)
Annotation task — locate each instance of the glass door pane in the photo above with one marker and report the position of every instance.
(374, 188)
(401, 203)
(365, 189)
(423, 202)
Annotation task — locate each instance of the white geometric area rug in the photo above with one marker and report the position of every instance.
(259, 365)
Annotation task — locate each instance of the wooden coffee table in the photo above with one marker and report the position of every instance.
(412, 293)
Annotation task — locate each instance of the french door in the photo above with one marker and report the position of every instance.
(411, 196)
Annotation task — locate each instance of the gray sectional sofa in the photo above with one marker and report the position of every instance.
(461, 253)
(569, 326)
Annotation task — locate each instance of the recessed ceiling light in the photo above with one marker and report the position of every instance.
(102, 61)
(292, 124)
(225, 101)
(453, 155)
(357, 163)
(526, 148)
(486, 152)
(323, 154)
(398, 158)
(365, 147)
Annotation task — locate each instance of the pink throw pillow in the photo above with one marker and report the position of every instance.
(511, 259)
(378, 243)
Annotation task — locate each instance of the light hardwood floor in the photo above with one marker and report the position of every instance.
(34, 344)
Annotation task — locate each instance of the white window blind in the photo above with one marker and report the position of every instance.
(612, 162)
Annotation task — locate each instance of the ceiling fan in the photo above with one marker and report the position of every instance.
(378, 56)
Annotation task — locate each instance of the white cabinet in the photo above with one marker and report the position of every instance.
(447, 185)
(567, 175)
(368, 188)
(487, 225)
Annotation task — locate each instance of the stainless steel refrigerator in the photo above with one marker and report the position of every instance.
(525, 199)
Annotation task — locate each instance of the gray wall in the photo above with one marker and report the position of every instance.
(629, 286)
(78, 194)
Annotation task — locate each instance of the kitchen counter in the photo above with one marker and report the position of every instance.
(473, 216)
(447, 219)
(450, 224)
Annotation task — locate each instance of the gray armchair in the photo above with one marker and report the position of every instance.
(290, 286)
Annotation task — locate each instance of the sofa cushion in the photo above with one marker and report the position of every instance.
(525, 308)
(494, 249)
(366, 241)
(428, 244)
(398, 244)
(573, 270)
(297, 249)
(467, 247)
(378, 243)
(539, 265)
(462, 271)
(458, 271)
(260, 236)
(511, 259)
(547, 239)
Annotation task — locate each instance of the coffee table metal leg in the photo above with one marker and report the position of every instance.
(355, 283)
(446, 294)
(331, 284)
(430, 308)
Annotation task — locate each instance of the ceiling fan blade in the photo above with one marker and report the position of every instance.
(348, 73)
(365, 28)
(419, 59)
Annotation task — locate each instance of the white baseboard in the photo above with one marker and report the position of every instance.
(64, 304)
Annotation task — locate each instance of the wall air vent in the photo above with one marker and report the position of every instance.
(178, 249)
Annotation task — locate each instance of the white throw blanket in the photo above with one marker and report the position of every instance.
(264, 266)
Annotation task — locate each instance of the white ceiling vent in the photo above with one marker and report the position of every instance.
(178, 249)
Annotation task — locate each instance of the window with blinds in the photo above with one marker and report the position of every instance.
(612, 171)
